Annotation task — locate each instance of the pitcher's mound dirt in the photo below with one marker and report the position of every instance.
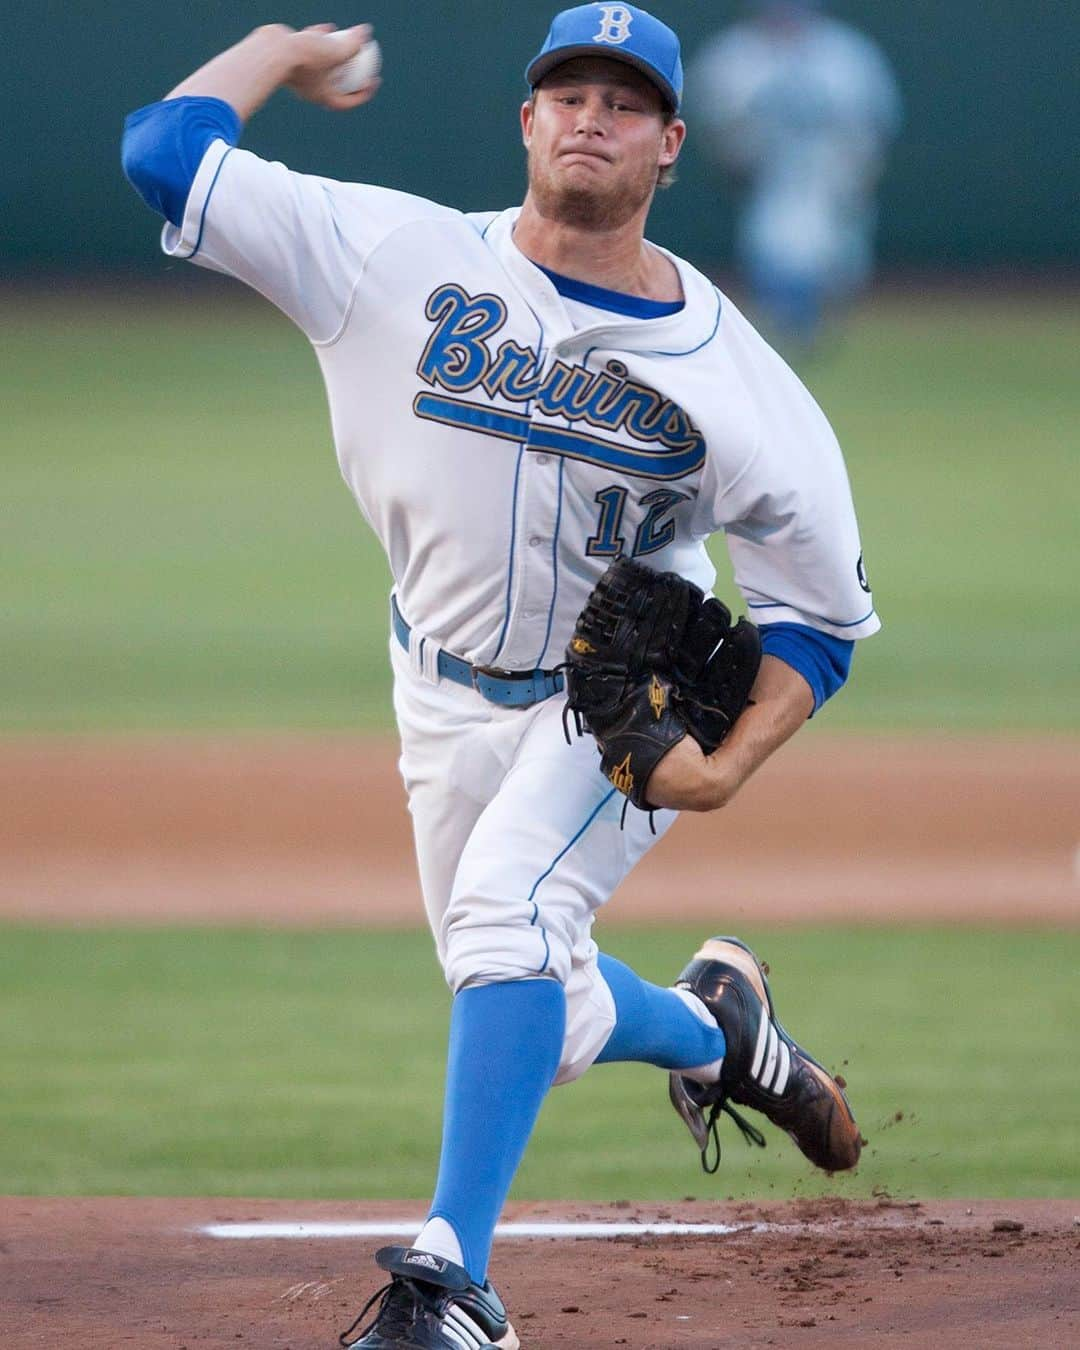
(990, 1275)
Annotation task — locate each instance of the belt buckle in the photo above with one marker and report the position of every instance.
(519, 686)
(496, 673)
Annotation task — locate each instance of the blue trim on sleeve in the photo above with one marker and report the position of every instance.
(834, 623)
(822, 660)
(164, 144)
(616, 302)
(209, 194)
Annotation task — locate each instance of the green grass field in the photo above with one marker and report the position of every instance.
(179, 552)
(255, 1063)
(179, 549)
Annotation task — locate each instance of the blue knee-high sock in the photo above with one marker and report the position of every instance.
(505, 1045)
(654, 1025)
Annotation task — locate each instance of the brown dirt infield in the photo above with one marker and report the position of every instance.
(99, 1274)
(313, 830)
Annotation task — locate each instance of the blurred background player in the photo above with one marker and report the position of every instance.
(797, 109)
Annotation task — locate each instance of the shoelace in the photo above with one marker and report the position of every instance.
(567, 713)
(394, 1316)
(750, 1133)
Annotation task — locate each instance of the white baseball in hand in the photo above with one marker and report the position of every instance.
(358, 70)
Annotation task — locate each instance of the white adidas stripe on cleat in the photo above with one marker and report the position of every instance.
(759, 1049)
(461, 1328)
(783, 1071)
(766, 1076)
(771, 1067)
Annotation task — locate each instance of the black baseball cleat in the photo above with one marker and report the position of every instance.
(430, 1304)
(763, 1067)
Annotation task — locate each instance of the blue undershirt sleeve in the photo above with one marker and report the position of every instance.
(822, 660)
(163, 146)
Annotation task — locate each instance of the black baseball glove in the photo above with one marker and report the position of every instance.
(652, 660)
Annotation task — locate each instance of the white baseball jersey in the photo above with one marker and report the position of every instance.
(503, 448)
(506, 443)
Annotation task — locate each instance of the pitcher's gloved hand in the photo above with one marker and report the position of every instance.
(652, 660)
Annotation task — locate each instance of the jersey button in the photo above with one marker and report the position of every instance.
(535, 541)
(542, 459)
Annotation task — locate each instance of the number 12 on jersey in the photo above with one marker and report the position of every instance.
(653, 534)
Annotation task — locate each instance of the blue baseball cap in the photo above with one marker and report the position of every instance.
(620, 33)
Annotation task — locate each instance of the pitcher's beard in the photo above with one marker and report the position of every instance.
(595, 209)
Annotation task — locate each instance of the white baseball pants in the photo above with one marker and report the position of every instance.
(518, 843)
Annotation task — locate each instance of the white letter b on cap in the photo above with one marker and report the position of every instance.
(615, 21)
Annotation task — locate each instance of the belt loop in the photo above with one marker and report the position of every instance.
(429, 660)
(416, 651)
(423, 652)
(424, 656)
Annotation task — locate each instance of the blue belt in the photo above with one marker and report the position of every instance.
(509, 688)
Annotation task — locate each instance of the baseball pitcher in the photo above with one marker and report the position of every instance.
(544, 416)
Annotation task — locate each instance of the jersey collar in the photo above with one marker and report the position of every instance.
(674, 334)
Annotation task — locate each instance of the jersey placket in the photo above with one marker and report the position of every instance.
(534, 589)
(535, 557)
